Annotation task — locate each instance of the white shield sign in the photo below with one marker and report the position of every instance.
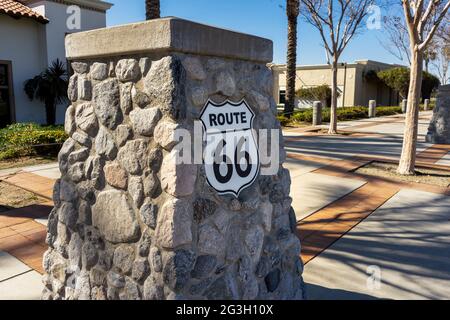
(231, 155)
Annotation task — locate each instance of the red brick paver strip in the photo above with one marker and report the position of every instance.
(21, 215)
(434, 153)
(20, 235)
(25, 240)
(39, 185)
(321, 229)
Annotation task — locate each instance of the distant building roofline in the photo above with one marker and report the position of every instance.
(19, 10)
(340, 65)
(97, 5)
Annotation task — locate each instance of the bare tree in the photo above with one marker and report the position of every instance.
(292, 11)
(396, 41)
(152, 9)
(442, 62)
(430, 54)
(422, 21)
(337, 21)
(444, 32)
(396, 38)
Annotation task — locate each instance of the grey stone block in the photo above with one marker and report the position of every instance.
(170, 35)
(439, 129)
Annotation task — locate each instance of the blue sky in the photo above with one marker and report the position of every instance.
(260, 17)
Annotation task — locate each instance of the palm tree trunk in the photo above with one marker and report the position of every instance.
(152, 9)
(334, 98)
(408, 158)
(291, 63)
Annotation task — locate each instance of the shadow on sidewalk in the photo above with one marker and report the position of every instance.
(34, 211)
(315, 292)
(410, 243)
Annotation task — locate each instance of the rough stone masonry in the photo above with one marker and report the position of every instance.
(439, 129)
(130, 224)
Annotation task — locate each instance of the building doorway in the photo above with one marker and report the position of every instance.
(6, 94)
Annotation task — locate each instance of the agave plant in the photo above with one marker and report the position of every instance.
(50, 87)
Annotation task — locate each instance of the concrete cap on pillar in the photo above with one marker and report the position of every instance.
(168, 35)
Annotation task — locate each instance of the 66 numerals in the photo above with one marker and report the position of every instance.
(243, 170)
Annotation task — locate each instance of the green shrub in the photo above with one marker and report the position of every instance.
(28, 139)
(343, 114)
(303, 116)
(388, 111)
(398, 80)
(319, 93)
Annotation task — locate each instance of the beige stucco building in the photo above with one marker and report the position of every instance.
(355, 85)
(32, 36)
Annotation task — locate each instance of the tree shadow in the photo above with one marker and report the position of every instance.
(343, 147)
(34, 211)
(410, 243)
(316, 292)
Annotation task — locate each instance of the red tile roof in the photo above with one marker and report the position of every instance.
(18, 10)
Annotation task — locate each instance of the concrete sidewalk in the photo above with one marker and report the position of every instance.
(17, 280)
(50, 170)
(405, 245)
(354, 228)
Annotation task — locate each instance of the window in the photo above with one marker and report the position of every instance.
(282, 96)
(5, 94)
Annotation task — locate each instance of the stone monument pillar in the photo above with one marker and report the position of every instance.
(372, 108)
(404, 105)
(426, 104)
(130, 222)
(439, 129)
(317, 113)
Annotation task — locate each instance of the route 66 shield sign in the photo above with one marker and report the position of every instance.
(231, 155)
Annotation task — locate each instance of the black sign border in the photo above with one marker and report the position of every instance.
(234, 104)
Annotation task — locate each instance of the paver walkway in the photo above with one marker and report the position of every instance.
(23, 232)
(325, 232)
(407, 240)
(349, 224)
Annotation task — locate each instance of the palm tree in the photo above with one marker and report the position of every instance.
(152, 9)
(50, 87)
(292, 10)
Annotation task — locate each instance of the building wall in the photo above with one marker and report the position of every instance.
(56, 30)
(32, 47)
(358, 91)
(312, 76)
(28, 59)
(365, 90)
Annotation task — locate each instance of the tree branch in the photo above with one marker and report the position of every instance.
(435, 26)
